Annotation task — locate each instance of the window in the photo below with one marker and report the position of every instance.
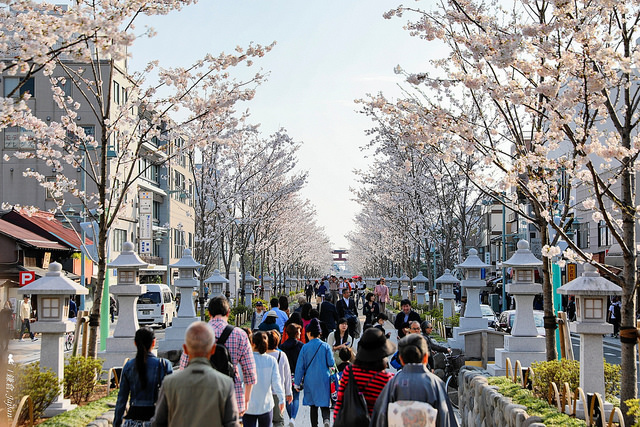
(178, 186)
(525, 275)
(49, 192)
(18, 138)
(593, 308)
(603, 234)
(118, 237)
(64, 84)
(178, 243)
(156, 212)
(89, 132)
(582, 235)
(127, 276)
(11, 83)
(50, 308)
(116, 92)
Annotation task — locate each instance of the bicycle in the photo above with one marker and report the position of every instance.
(68, 341)
(447, 367)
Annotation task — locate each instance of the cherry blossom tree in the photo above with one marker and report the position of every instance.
(85, 46)
(546, 92)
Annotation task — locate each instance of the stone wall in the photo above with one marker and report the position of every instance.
(482, 406)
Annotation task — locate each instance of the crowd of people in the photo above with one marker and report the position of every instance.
(315, 351)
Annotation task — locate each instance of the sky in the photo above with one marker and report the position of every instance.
(328, 54)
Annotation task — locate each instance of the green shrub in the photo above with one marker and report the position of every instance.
(237, 310)
(535, 406)
(83, 415)
(634, 410)
(561, 371)
(42, 385)
(81, 375)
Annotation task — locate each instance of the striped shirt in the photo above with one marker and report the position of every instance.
(240, 352)
(370, 389)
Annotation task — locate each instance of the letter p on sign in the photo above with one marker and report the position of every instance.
(27, 277)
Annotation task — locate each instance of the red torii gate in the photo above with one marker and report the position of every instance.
(340, 254)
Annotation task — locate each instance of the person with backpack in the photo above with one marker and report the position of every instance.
(139, 383)
(423, 393)
(197, 396)
(234, 341)
(368, 370)
(261, 404)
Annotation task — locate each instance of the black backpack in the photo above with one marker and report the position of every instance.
(221, 359)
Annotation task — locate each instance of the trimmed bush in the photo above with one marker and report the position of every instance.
(42, 385)
(561, 371)
(81, 376)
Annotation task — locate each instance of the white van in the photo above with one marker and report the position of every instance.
(157, 305)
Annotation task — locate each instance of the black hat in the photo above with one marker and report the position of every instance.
(374, 346)
(313, 327)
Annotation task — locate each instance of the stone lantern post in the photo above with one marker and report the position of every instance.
(127, 290)
(523, 344)
(54, 291)
(472, 319)
(267, 287)
(249, 284)
(217, 283)
(591, 292)
(404, 286)
(420, 283)
(186, 283)
(394, 286)
(445, 283)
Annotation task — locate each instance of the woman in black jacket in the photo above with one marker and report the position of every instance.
(291, 348)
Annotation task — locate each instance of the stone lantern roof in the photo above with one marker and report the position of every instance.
(404, 278)
(523, 257)
(447, 277)
(590, 283)
(249, 278)
(419, 278)
(473, 261)
(186, 261)
(267, 278)
(216, 277)
(54, 283)
(127, 258)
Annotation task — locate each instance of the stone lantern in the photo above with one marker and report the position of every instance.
(54, 291)
(523, 344)
(445, 283)
(473, 282)
(394, 286)
(420, 283)
(287, 285)
(591, 292)
(186, 283)
(217, 283)
(267, 287)
(127, 290)
(404, 286)
(249, 284)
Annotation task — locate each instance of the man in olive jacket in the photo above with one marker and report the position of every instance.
(198, 395)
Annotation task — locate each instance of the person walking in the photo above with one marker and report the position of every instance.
(312, 373)
(197, 396)
(328, 315)
(613, 314)
(258, 316)
(270, 322)
(405, 317)
(139, 382)
(273, 339)
(414, 383)
(308, 290)
(369, 368)
(25, 318)
(239, 349)
(370, 309)
(292, 347)
(346, 307)
(261, 403)
(381, 291)
(340, 339)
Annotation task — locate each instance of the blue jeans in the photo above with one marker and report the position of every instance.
(292, 408)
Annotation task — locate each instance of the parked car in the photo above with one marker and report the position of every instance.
(507, 317)
(156, 306)
(489, 314)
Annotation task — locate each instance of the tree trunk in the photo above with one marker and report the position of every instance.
(547, 293)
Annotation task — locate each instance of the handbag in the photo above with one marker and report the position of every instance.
(353, 411)
(305, 372)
